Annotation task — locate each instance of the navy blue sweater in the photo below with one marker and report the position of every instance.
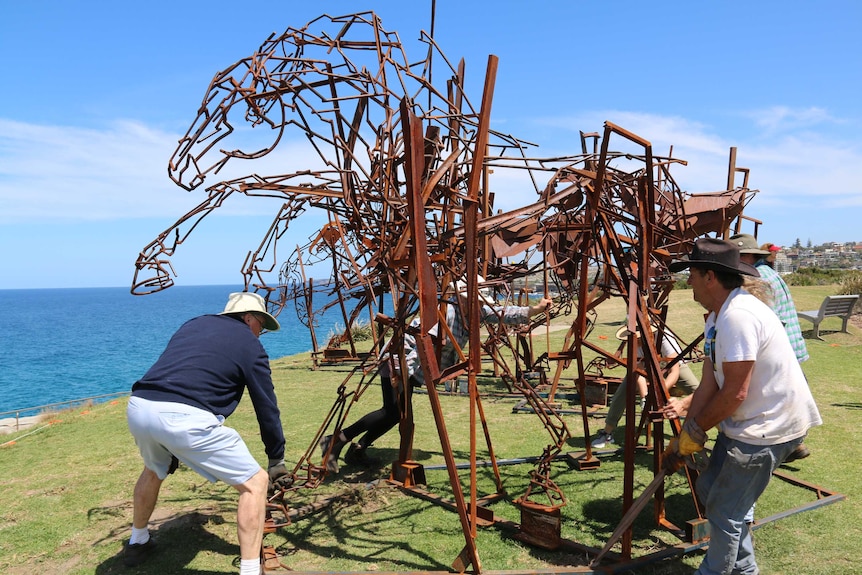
(208, 363)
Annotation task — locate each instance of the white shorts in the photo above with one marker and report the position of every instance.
(196, 437)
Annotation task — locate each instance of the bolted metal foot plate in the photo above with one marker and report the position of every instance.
(540, 525)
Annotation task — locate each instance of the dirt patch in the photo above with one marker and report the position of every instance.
(59, 567)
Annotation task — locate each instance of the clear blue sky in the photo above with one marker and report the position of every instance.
(97, 93)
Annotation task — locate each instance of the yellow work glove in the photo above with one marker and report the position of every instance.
(690, 440)
(692, 437)
(686, 445)
(671, 459)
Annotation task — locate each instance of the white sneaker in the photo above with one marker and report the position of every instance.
(603, 440)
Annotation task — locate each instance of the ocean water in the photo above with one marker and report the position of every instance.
(66, 344)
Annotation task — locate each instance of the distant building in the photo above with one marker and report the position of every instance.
(783, 264)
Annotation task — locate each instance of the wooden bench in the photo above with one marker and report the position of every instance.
(833, 306)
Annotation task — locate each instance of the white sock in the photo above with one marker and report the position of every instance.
(249, 567)
(139, 536)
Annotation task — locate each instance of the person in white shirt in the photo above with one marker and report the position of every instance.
(679, 375)
(752, 389)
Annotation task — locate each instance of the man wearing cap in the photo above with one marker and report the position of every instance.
(752, 389)
(376, 423)
(781, 301)
(177, 410)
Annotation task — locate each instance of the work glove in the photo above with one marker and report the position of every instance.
(671, 459)
(690, 440)
(678, 450)
(279, 477)
(692, 437)
(685, 445)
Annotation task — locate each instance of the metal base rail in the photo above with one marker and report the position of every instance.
(488, 519)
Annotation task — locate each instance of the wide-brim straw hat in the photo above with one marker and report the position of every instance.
(622, 333)
(247, 302)
(715, 254)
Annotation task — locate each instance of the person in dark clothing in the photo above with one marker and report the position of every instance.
(378, 422)
(177, 410)
(373, 424)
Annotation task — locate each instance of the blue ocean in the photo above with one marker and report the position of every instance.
(67, 344)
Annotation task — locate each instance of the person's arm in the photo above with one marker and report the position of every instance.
(543, 305)
(670, 349)
(513, 314)
(725, 401)
(262, 394)
(671, 376)
(676, 407)
(681, 406)
(692, 437)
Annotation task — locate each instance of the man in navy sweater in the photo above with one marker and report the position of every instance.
(177, 411)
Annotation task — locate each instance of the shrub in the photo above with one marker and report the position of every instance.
(681, 282)
(851, 284)
(362, 331)
(814, 277)
(337, 337)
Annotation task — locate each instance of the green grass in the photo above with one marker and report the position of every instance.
(65, 504)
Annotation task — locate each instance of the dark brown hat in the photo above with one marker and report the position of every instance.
(715, 254)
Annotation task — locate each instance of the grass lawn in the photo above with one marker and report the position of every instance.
(65, 504)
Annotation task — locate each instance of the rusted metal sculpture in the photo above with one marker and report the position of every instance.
(404, 173)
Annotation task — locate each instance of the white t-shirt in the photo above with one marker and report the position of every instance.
(669, 348)
(779, 406)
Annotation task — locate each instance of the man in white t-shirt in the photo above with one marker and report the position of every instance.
(752, 389)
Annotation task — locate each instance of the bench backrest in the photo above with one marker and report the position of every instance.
(838, 305)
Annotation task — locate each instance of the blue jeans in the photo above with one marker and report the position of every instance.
(736, 476)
